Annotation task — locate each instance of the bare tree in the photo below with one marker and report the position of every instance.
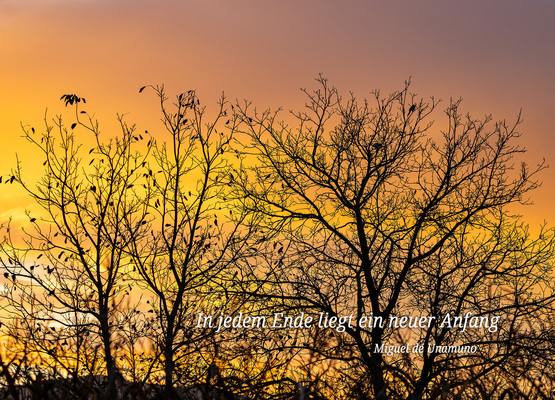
(189, 251)
(68, 278)
(365, 212)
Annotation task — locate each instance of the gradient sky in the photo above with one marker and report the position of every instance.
(496, 54)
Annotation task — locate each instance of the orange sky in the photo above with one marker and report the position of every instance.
(497, 55)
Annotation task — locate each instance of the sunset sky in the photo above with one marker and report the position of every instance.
(497, 55)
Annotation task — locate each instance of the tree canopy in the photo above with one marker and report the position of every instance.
(390, 247)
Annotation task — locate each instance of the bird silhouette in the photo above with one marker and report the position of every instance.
(411, 109)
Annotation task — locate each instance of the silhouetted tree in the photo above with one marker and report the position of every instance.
(373, 214)
(189, 251)
(68, 285)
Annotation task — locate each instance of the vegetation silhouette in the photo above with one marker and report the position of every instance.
(379, 218)
(396, 240)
